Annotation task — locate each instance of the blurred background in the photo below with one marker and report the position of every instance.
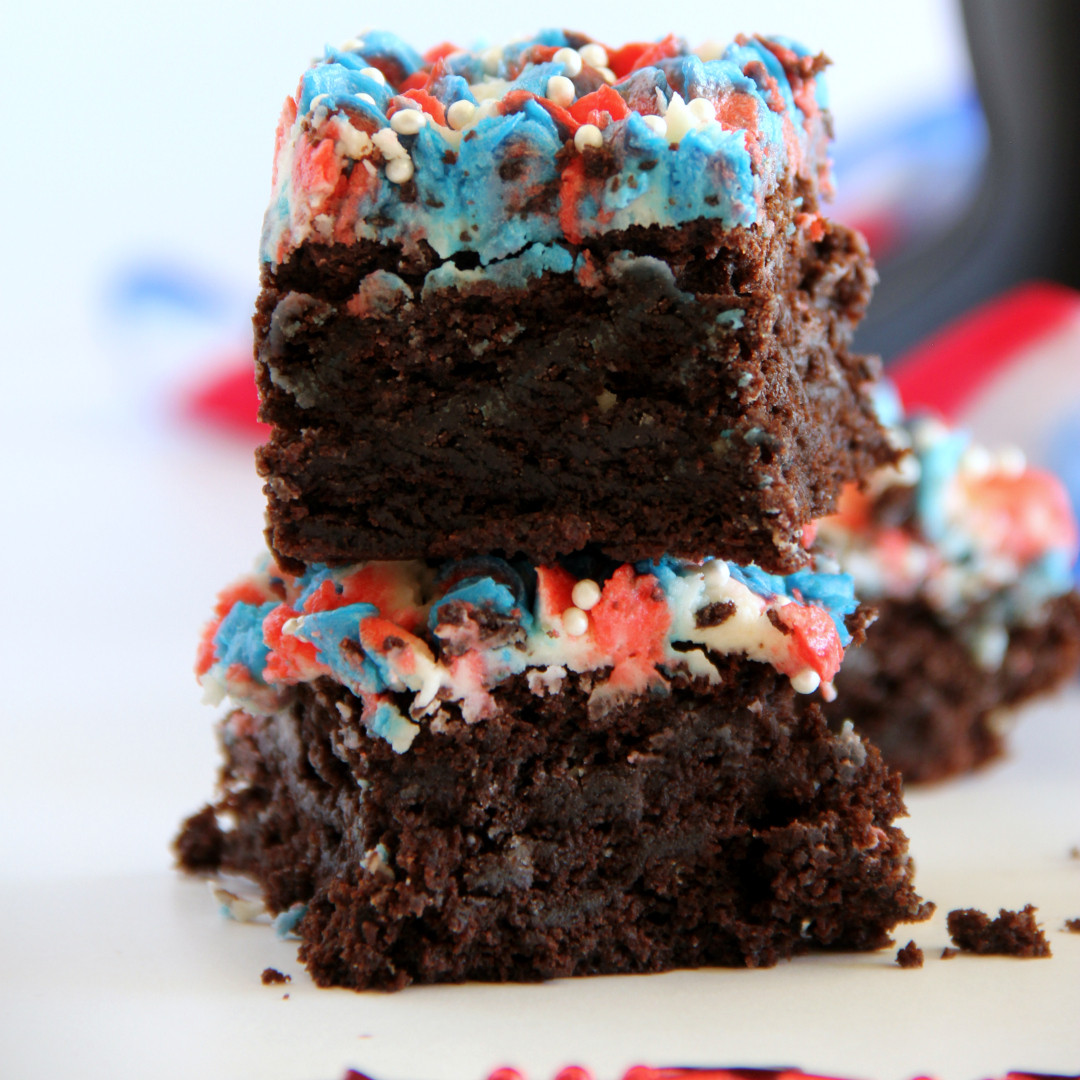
(137, 157)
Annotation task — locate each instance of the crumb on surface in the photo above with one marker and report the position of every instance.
(271, 977)
(1074, 851)
(1012, 933)
(910, 956)
(1073, 926)
(949, 952)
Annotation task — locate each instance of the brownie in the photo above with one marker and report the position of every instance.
(910, 956)
(717, 825)
(481, 770)
(967, 556)
(651, 355)
(1012, 933)
(915, 690)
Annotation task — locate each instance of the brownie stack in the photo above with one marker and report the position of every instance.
(554, 344)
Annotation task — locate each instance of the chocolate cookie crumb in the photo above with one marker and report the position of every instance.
(272, 976)
(1073, 926)
(949, 952)
(910, 956)
(1012, 933)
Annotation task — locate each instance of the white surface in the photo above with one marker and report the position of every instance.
(141, 974)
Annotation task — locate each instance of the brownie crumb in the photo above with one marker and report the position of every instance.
(1073, 926)
(949, 952)
(910, 956)
(201, 841)
(1012, 933)
(271, 976)
(1074, 853)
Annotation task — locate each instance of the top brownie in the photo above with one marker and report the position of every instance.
(532, 299)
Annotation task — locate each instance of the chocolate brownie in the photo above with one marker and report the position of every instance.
(524, 303)
(910, 956)
(967, 556)
(1012, 933)
(485, 771)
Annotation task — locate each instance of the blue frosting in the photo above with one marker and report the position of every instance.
(481, 592)
(239, 638)
(939, 463)
(464, 200)
(833, 592)
(327, 630)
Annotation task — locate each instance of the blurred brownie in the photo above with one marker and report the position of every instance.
(549, 297)
(968, 557)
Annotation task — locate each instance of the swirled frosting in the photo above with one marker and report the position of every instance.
(556, 138)
(409, 640)
(980, 537)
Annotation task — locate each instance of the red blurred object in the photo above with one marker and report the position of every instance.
(229, 400)
(949, 368)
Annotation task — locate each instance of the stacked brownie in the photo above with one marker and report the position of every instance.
(554, 344)
(967, 555)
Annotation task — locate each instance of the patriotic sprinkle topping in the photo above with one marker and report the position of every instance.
(553, 139)
(449, 635)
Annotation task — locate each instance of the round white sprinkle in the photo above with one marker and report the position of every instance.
(570, 60)
(366, 97)
(586, 594)
(491, 59)
(408, 121)
(977, 460)
(702, 109)
(374, 73)
(1011, 460)
(560, 91)
(588, 135)
(353, 45)
(460, 114)
(487, 107)
(656, 123)
(716, 573)
(606, 74)
(594, 55)
(400, 170)
(575, 621)
(317, 100)
(805, 681)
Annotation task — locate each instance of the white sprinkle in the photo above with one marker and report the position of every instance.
(487, 107)
(368, 98)
(400, 170)
(408, 121)
(656, 124)
(679, 118)
(805, 681)
(317, 100)
(716, 574)
(575, 621)
(570, 60)
(1011, 460)
(560, 91)
(491, 59)
(353, 45)
(588, 135)
(387, 141)
(586, 594)
(594, 55)
(460, 114)
(606, 74)
(374, 73)
(702, 110)
(977, 460)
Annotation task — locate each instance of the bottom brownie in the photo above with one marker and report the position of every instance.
(719, 823)
(916, 690)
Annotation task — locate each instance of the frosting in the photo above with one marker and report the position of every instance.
(967, 531)
(396, 632)
(551, 139)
